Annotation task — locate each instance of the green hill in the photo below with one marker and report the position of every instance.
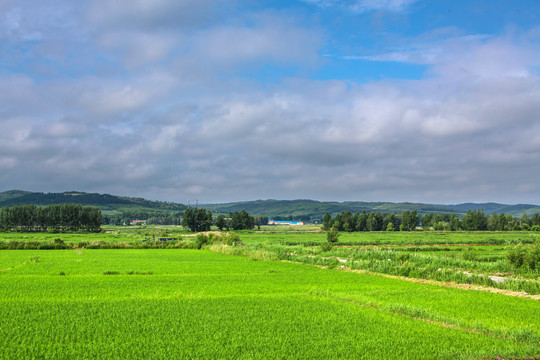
(490, 208)
(12, 194)
(310, 209)
(105, 202)
(295, 209)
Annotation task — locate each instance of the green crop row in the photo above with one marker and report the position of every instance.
(399, 263)
(201, 304)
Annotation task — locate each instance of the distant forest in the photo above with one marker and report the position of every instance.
(52, 218)
(474, 220)
(119, 210)
(151, 216)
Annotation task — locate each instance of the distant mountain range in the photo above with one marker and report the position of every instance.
(296, 209)
(316, 209)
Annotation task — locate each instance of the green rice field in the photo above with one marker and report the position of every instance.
(178, 303)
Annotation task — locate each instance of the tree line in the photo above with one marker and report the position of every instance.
(346, 221)
(152, 217)
(477, 220)
(240, 220)
(62, 217)
(474, 220)
(197, 219)
(194, 219)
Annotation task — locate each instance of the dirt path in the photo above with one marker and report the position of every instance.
(449, 284)
(430, 282)
(206, 233)
(413, 246)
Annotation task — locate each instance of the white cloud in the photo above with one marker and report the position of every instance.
(7, 162)
(150, 14)
(471, 56)
(30, 21)
(390, 5)
(385, 141)
(424, 56)
(270, 41)
(363, 6)
(139, 48)
(494, 57)
(149, 102)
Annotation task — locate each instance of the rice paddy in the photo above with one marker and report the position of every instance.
(83, 303)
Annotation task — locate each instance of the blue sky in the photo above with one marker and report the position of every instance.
(375, 100)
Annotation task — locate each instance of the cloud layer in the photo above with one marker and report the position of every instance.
(176, 100)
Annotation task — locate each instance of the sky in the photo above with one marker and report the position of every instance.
(232, 100)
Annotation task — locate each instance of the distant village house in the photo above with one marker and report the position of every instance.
(138, 222)
(277, 222)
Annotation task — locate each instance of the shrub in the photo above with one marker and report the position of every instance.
(230, 239)
(441, 226)
(109, 272)
(469, 254)
(46, 246)
(326, 246)
(520, 257)
(403, 257)
(201, 240)
(332, 236)
(532, 260)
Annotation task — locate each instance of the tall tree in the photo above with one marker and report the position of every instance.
(361, 224)
(327, 222)
(220, 222)
(426, 221)
(409, 220)
(242, 221)
(196, 219)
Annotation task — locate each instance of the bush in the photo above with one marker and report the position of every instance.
(532, 260)
(332, 236)
(469, 254)
(230, 239)
(109, 272)
(522, 257)
(201, 240)
(403, 257)
(326, 247)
